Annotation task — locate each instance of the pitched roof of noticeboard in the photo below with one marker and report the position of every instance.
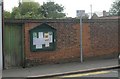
(43, 25)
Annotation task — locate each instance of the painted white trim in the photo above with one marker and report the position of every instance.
(1, 40)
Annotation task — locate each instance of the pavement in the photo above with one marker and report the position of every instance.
(44, 70)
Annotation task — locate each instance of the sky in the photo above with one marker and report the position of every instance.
(70, 6)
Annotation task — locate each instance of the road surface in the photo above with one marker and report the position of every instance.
(110, 73)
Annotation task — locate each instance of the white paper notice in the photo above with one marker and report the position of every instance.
(50, 39)
(47, 45)
(35, 41)
(38, 41)
(40, 34)
(38, 46)
(34, 35)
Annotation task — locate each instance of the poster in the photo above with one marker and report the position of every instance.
(46, 36)
(40, 34)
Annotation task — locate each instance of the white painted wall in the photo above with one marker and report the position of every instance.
(0, 39)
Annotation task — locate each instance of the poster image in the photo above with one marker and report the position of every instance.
(46, 36)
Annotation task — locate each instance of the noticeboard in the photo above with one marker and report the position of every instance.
(42, 38)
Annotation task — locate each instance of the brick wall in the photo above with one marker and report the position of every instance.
(67, 46)
(100, 39)
(104, 38)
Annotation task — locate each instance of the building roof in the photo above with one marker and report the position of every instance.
(110, 17)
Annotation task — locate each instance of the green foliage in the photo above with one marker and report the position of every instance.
(115, 10)
(52, 10)
(7, 14)
(27, 10)
(86, 16)
(28, 7)
(15, 13)
(33, 10)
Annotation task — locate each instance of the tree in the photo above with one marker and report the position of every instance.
(86, 16)
(52, 10)
(7, 14)
(115, 9)
(27, 10)
(33, 10)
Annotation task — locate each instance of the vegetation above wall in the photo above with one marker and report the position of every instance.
(33, 10)
(115, 9)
